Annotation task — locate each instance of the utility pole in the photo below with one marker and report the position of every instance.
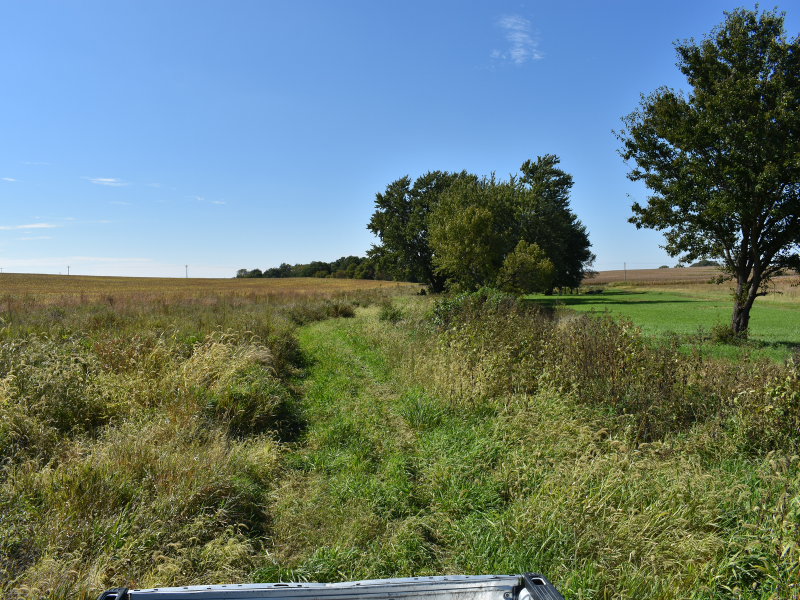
(67, 269)
(625, 270)
(187, 271)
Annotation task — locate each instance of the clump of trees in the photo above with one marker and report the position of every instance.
(464, 232)
(723, 160)
(705, 263)
(347, 267)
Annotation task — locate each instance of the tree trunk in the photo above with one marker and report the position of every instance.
(436, 282)
(740, 320)
(741, 317)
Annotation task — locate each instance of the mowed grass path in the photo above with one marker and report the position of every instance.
(773, 324)
(386, 482)
(389, 480)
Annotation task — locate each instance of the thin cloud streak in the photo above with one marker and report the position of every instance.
(9, 179)
(106, 181)
(32, 226)
(523, 47)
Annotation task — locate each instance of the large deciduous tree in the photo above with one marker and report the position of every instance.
(400, 221)
(543, 216)
(723, 161)
(518, 234)
(469, 231)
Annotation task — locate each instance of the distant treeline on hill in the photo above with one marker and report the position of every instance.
(347, 267)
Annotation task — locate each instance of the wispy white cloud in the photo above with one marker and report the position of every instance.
(9, 179)
(218, 202)
(31, 226)
(523, 46)
(106, 181)
(121, 203)
(26, 162)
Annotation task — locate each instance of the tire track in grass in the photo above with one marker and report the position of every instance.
(366, 494)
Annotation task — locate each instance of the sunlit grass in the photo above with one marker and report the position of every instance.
(159, 440)
(693, 311)
(140, 439)
(412, 466)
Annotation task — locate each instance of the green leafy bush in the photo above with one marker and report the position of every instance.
(389, 312)
(723, 334)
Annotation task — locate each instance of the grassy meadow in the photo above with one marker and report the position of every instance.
(692, 308)
(207, 435)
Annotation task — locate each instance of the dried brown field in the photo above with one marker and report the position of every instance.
(656, 276)
(693, 281)
(27, 290)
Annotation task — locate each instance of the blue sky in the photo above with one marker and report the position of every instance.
(138, 137)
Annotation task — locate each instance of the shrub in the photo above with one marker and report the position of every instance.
(340, 309)
(490, 346)
(389, 312)
(723, 334)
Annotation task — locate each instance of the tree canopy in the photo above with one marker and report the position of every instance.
(723, 161)
(544, 217)
(400, 221)
(460, 230)
(477, 242)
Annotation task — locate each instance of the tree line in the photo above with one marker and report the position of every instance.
(459, 231)
(347, 267)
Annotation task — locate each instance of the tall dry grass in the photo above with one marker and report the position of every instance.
(490, 345)
(624, 467)
(166, 441)
(140, 436)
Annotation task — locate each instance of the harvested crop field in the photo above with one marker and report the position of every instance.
(655, 276)
(61, 288)
(669, 277)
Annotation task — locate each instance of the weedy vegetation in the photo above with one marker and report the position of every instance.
(155, 441)
(141, 435)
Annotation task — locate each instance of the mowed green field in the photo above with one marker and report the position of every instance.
(774, 324)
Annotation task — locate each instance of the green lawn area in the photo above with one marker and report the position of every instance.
(774, 326)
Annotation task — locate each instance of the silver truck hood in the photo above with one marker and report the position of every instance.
(529, 586)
